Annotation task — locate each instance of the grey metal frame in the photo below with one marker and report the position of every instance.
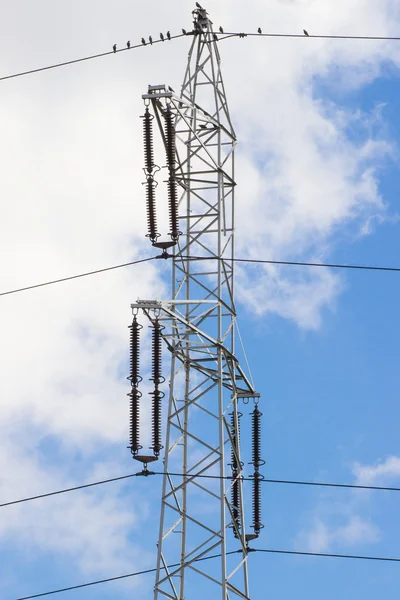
(196, 520)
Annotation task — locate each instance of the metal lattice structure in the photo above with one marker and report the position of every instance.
(200, 517)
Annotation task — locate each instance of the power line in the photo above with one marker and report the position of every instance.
(149, 473)
(297, 263)
(145, 572)
(38, 285)
(327, 555)
(243, 260)
(251, 550)
(84, 58)
(70, 489)
(227, 35)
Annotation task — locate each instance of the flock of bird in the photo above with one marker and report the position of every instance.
(184, 32)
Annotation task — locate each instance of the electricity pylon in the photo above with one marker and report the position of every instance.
(203, 544)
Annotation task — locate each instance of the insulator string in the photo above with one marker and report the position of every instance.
(172, 189)
(135, 351)
(134, 422)
(148, 141)
(257, 524)
(157, 446)
(257, 462)
(151, 210)
(236, 468)
(157, 379)
(135, 379)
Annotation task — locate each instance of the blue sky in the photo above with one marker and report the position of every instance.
(317, 173)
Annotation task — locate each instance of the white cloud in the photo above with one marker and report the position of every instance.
(386, 470)
(323, 537)
(333, 524)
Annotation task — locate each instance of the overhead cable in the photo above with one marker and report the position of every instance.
(295, 263)
(148, 473)
(329, 555)
(145, 572)
(84, 58)
(226, 36)
(38, 285)
(251, 550)
(243, 34)
(198, 258)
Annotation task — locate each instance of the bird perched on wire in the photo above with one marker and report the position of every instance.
(259, 30)
(306, 33)
(128, 44)
(150, 39)
(221, 30)
(168, 35)
(184, 31)
(143, 41)
(115, 47)
(161, 37)
(215, 37)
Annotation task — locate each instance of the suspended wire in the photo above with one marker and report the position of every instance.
(227, 35)
(277, 481)
(78, 60)
(251, 550)
(145, 572)
(243, 260)
(328, 555)
(295, 263)
(38, 285)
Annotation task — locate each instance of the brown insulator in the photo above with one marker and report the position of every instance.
(156, 421)
(257, 462)
(134, 421)
(173, 209)
(135, 328)
(156, 348)
(256, 441)
(151, 210)
(235, 502)
(170, 139)
(257, 524)
(171, 182)
(235, 434)
(148, 141)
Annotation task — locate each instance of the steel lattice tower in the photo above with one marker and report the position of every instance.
(200, 517)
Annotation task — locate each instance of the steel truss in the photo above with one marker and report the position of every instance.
(198, 519)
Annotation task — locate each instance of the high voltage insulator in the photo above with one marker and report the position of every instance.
(257, 477)
(157, 377)
(257, 524)
(151, 210)
(235, 501)
(150, 168)
(134, 421)
(157, 395)
(148, 141)
(236, 468)
(135, 351)
(172, 190)
(135, 379)
(156, 421)
(256, 440)
(169, 138)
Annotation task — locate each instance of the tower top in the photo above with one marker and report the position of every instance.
(200, 18)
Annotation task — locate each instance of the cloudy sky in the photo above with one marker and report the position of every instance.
(317, 174)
